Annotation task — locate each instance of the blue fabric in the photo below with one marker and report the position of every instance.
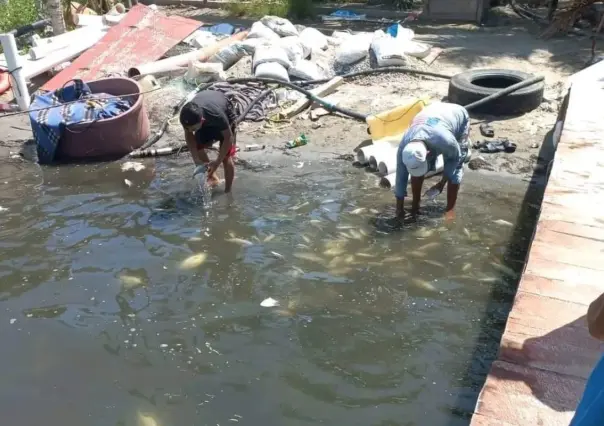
(345, 14)
(392, 30)
(51, 112)
(220, 29)
(590, 411)
(444, 128)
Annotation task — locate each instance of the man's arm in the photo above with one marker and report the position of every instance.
(595, 318)
(401, 181)
(192, 145)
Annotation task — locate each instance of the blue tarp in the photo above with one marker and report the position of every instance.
(51, 112)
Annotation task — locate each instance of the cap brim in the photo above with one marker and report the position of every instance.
(419, 171)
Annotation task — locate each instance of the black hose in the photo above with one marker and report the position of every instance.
(504, 92)
(380, 71)
(30, 28)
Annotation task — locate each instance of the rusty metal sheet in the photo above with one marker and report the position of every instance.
(144, 35)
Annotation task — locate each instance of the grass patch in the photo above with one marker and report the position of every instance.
(299, 9)
(17, 13)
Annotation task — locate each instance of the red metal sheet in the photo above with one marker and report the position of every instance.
(144, 35)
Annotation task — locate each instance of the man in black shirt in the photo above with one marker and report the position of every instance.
(206, 119)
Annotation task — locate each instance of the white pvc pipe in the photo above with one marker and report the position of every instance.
(387, 163)
(364, 153)
(67, 37)
(83, 20)
(17, 74)
(385, 151)
(37, 53)
(92, 37)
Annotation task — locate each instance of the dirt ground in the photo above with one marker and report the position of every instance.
(507, 42)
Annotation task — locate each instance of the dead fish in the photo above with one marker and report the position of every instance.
(334, 251)
(306, 239)
(132, 165)
(131, 281)
(128, 183)
(393, 259)
(345, 227)
(310, 257)
(374, 211)
(349, 259)
(146, 420)
(299, 206)
(193, 261)
(417, 254)
(269, 238)
(423, 284)
(315, 221)
(255, 238)
(505, 269)
(489, 279)
(466, 267)
(424, 233)
(428, 246)
(503, 222)
(194, 239)
(269, 303)
(300, 270)
(363, 233)
(366, 255)
(467, 232)
(360, 210)
(277, 255)
(355, 234)
(433, 263)
(335, 262)
(328, 201)
(339, 271)
(240, 241)
(304, 246)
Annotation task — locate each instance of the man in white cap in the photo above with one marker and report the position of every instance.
(439, 129)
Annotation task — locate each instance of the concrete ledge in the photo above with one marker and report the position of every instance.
(546, 353)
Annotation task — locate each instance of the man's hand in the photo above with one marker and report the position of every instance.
(449, 215)
(212, 167)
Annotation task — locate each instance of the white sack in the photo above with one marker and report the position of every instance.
(229, 55)
(389, 52)
(306, 70)
(313, 39)
(353, 49)
(294, 48)
(273, 53)
(259, 30)
(281, 26)
(204, 72)
(271, 70)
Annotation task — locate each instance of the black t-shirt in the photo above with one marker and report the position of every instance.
(215, 110)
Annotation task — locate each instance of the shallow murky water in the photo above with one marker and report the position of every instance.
(107, 319)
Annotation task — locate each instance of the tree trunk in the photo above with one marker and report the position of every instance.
(55, 11)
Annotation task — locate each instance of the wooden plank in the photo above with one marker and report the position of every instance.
(323, 90)
(144, 35)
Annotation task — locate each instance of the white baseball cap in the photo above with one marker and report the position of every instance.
(414, 158)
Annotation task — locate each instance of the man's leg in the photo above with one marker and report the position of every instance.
(229, 167)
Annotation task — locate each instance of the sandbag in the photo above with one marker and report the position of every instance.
(389, 52)
(281, 26)
(294, 48)
(313, 39)
(204, 72)
(249, 45)
(229, 55)
(259, 30)
(353, 49)
(273, 53)
(271, 70)
(417, 50)
(306, 70)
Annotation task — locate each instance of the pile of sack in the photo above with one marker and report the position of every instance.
(391, 48)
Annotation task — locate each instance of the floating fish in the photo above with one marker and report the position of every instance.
(132, 165)
(335, 262)
(315, 221)
(306, 239)
(366, 255)
(195, 239)
(428, 246)
(131, 281)
(393, 259)
(466, 267)
(489, 279)
(240, 241)
(505, 269)
(328, 201)
(467, 232)
(269, 238)
(128, 183)
(309, 256)
(299, 206)
(269, 303)
(374, 211)
(193, 261)
(304, 246)
(433, 263)
(335, 251)
(423, 284)
(146, 420)
(295, 268)
(418, 254)
(277, 255)
(345, 227)
(503, 222)
(424, 233)
(339, 271)
(360, 210)
(355, 234)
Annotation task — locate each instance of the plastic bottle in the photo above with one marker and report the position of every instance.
(254, 147)
(299, 141)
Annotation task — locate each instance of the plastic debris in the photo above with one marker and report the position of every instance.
(269, 303)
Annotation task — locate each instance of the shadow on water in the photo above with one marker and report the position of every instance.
(501, 298)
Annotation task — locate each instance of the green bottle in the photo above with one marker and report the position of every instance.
(299, 141)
